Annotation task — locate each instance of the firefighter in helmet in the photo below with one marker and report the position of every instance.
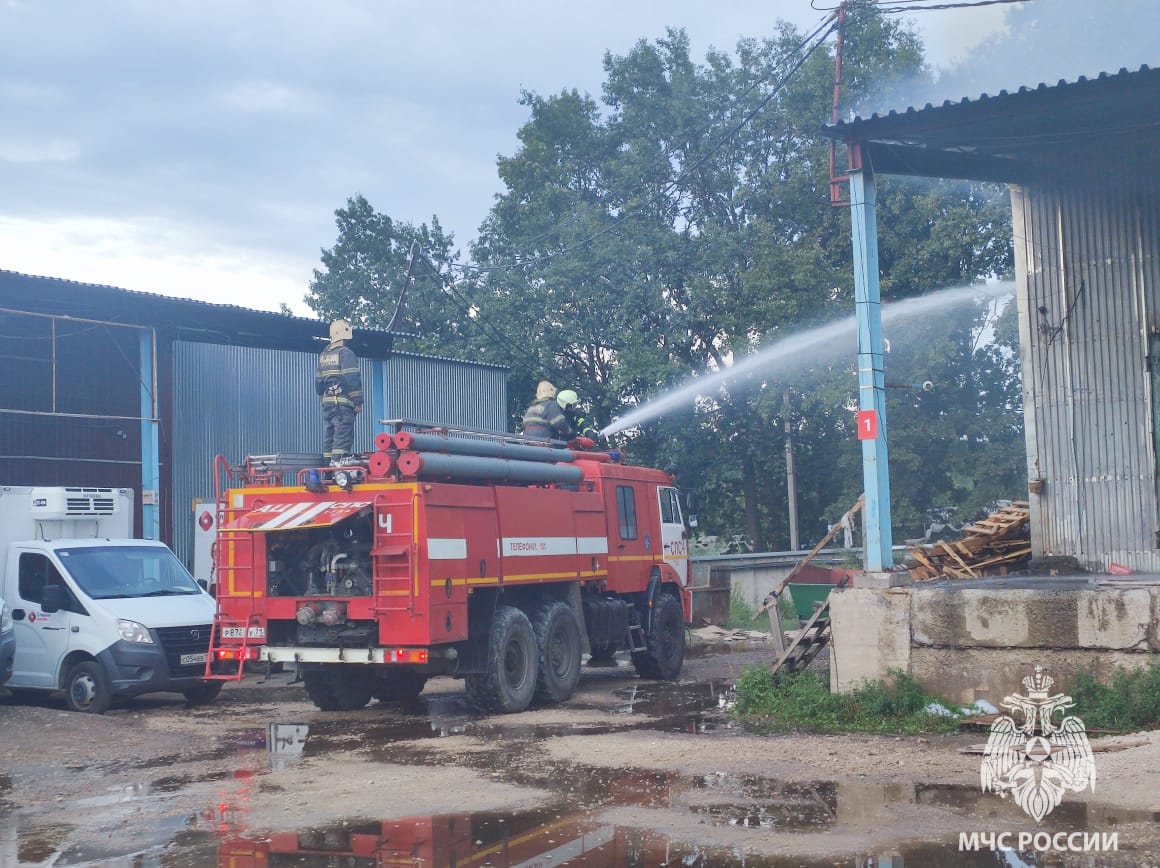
(339, 386)
(581, 426)
(544, 416)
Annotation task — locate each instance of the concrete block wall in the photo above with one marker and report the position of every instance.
(979, 643)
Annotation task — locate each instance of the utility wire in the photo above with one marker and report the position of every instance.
(618, 194)
(820, 34)
(919, 5)
(481, 322)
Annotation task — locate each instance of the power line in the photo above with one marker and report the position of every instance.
(824, 29)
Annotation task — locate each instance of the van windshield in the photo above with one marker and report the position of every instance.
(110, 572)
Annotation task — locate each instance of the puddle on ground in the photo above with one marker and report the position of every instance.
(558, 836)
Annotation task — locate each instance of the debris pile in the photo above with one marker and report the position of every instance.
(995, 545)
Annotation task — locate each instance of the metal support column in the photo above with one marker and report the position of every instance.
(871, 374)
(150, 453)
(379, 392)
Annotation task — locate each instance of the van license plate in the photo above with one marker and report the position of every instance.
(193, 658)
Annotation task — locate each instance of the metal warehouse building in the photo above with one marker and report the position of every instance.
(112, 388)
(1081, 162)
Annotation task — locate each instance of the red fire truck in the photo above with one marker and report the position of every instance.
(497, 559)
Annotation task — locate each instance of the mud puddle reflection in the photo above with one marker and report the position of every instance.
(558, 836)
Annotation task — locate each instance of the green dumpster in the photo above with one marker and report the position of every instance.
(805, 595)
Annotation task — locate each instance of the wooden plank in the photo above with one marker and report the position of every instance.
(771, 599)
(955, 556)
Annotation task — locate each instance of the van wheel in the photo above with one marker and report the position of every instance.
(87, 688)
(203, 694)
(558, 649)
(665, 642)
(509, 682)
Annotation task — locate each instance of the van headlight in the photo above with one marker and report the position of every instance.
(5, 619)
(131, 631)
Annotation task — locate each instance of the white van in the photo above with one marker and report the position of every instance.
(96, 613)
(7, 642)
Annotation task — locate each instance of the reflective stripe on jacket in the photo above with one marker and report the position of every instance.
(337, 379)
(544, 418)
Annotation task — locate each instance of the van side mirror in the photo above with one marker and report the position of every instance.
(52, 598)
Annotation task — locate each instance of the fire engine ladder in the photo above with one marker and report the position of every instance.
(393, 555)
(230, 576)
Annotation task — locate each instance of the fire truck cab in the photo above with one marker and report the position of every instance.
(497, 559)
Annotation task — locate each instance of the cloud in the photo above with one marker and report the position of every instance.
(203, 147)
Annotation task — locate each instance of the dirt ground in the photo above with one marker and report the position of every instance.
(658, 772)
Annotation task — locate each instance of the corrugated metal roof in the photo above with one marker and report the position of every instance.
(188, 318)
(1042, 87)
(1011, 136)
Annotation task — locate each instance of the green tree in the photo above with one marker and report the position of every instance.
(678, 227)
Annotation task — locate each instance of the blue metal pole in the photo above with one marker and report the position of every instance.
(380, 393)
(871, 374)
(150, 454)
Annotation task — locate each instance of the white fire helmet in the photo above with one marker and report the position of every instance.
(340, 330)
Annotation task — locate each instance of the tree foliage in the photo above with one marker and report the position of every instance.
(682, 225)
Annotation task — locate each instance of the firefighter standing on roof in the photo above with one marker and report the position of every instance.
(339, 386)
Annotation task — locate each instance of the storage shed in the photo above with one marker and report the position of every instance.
(1080, 159)
(108, 387)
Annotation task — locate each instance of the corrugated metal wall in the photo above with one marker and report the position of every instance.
(239, 401)
(445, 392)
(1089, 286)
(70, 396)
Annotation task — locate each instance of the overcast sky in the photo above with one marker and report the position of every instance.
(201, 148)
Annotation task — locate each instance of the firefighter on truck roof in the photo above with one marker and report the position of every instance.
(545, 417)
(338, 383)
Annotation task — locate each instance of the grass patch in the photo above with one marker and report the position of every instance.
(1129, 704)
(804, 701)
(743, 616)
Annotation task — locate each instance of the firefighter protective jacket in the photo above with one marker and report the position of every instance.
(337, 379)
(544, 418)
(580, 425)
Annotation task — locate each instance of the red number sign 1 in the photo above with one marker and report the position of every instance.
(867, 424)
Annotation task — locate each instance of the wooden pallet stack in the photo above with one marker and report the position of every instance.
(995, 545)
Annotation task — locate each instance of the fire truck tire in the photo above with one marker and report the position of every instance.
(203, 694)
(402, 685)
(320, 689)
(87, 688)
(558, 649)
(353, 686)
(509, 682)
(665, 642)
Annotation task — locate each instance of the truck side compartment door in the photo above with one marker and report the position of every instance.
(42, 638)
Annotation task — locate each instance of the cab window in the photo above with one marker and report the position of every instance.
(670, 506)
(34, 572)
(626, 511)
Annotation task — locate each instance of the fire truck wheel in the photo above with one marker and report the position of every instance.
(558, 647)
(665, 642)
(510, 680)
(402, 685)
(353, 686)
(87, 688)
(320, 689)
(203, 694)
